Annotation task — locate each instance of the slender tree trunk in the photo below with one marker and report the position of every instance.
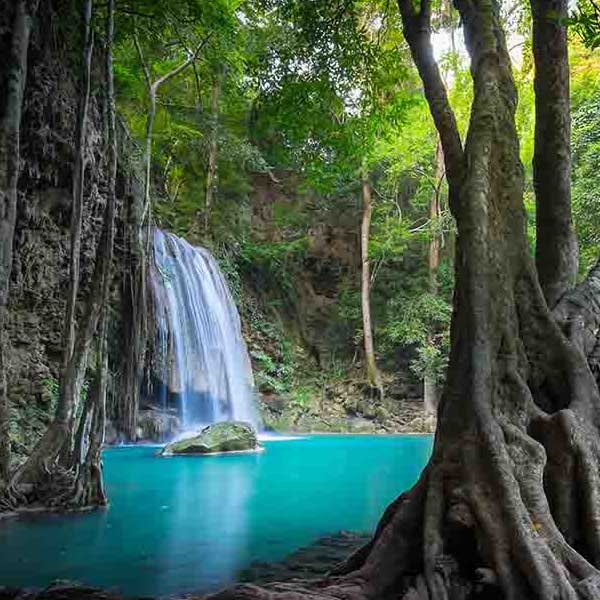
(10, 129)
(211, 168)
(509, 503)
(430, 384)
(140, 236)
(373, 375)
(89, 487)
(152, 88)
(148, 152)
(77, 207)
(556, 244)
(417, 32)
(78, 183)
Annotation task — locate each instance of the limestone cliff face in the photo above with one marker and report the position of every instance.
(40, 274)
(330, 261)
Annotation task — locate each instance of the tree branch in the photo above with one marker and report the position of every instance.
(183, 65)
(145, 69)
(417, 32)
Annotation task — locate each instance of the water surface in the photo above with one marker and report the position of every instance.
(185, 524)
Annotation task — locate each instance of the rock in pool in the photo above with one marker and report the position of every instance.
(227, 436)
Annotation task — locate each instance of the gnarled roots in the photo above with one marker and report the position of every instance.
(509, 510)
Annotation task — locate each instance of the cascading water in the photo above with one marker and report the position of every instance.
(205, 367)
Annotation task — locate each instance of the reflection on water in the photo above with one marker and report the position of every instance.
(225, 489)
(187, 524)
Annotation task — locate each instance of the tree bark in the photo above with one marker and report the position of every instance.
(77, 205)
(556, 243)
(509, 503)
(373, 375)
(89, 485)
(10, 129)
(211, 169)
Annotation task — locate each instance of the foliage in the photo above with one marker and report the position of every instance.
(52, 386)
(311, 94)
(585, 20)
(270, 375)
(424, 323)
(586, 180)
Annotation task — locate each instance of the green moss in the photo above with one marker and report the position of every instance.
(229, 436)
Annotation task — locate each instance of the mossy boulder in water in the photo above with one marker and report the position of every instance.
(227, 436)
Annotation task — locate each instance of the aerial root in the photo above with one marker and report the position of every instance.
(572, 483)
(521, 539)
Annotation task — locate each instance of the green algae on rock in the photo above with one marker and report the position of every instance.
(226, 436)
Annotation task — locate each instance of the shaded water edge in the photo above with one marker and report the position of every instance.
(308, 562)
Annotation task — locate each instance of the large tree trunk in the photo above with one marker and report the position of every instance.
(89, 487)
(509, 504)
(78, 184)
(10, 128)
(373, 375)
(556, 244)
(76, 209)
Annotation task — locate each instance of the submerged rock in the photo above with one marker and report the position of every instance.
(156, 425)
(59, 590)
(315, 560)
(227, 436)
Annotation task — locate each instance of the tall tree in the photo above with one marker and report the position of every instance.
(373, 374)
(153, 86)
(10, 128)
(89, 488)
(556, 243)
(507, 506)
(77, 190)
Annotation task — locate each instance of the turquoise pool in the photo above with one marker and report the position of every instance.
(185, 524)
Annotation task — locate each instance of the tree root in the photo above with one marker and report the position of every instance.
(478, 523)
(60, 490)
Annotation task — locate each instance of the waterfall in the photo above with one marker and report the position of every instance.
(205, 368)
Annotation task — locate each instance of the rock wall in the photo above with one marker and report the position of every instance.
(306, 310)
(330, 261)
(40, 273)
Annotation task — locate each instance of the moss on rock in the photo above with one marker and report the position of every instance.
(227, 436)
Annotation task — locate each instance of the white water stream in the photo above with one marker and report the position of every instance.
(206, 367)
